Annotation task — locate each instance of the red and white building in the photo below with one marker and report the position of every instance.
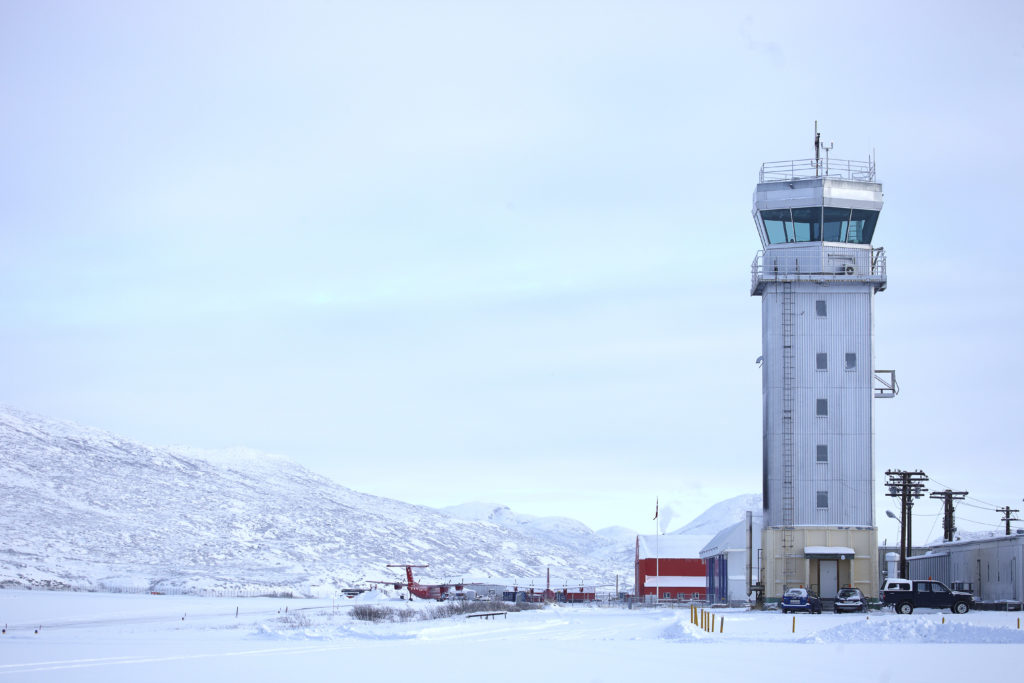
(670, 567)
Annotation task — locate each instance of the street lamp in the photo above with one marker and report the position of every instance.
(903, 548)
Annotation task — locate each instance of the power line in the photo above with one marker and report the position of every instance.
(1007, 518)
(988, 505)
(974, 521)
(906, 486)
(947, 497)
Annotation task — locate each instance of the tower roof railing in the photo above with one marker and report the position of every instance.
(803, 169)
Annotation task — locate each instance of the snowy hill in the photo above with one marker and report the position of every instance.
(619, 535)
(613, 544)
(722, 515)
(87, 509)
(557, 530)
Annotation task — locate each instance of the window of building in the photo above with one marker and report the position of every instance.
(681, 596)
(862, 226)
(837, 225)
(668, 596)
(696, 596)
(816, 223)
(820, 308)
(851, 361)
(807, 224)
(778, 223)
(822, 455)
(822, 361)
(822, 407)
(822, 499)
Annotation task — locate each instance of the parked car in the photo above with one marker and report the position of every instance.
(906, 595)
(850, 600)
(801, 600)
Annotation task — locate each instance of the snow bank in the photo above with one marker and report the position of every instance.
(915, 630)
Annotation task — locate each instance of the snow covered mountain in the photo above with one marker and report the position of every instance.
(557, 530)
(722, 515)
(87, 509)
(613, 544)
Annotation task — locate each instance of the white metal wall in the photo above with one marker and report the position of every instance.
(847, 431)
(993, 566)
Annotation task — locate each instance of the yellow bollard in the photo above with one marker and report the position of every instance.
(794, 624)
(712, 623)
(721, 625)
(943, 620)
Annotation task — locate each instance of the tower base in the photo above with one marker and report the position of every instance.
(820, 560)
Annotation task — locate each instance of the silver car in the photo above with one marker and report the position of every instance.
(850, 600)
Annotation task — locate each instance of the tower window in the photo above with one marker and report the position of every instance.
(851, 361)
(822, 361)
(822, 409)
(820, 308)
(807, 224)
(822, 453)
(822, 499)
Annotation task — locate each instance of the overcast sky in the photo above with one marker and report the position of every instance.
(454, 251)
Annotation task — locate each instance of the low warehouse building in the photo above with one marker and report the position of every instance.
(726, 560)
(991, 567)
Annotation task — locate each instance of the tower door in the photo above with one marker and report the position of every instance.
(828, 578)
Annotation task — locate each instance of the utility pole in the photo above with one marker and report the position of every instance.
(1006, 517)
(906, 486)
(947, 497)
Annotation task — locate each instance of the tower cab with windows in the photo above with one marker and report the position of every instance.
(816, 222)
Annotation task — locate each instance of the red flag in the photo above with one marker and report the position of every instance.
(655, 508)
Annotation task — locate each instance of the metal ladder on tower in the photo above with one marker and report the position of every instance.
(788, 372)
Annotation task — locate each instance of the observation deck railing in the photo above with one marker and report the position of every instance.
(803, 169)
(832, 264)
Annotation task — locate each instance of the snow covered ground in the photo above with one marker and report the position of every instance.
(110, 637)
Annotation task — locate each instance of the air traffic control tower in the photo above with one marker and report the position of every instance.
(817, 276)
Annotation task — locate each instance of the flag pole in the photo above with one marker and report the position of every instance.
(657, 555)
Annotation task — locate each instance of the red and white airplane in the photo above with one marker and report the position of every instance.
(434, 591)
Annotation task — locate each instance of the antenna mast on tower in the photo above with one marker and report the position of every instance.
(817, 152)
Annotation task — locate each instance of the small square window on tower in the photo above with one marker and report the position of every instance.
(851, 361)
(822, 361)
(822, 499)
(822, 455)
(820, 308)
(822, 408)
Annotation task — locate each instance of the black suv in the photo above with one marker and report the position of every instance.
(906, 594)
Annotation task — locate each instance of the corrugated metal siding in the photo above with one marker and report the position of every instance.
(993, 566)
(848, 428)
(935, 567)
